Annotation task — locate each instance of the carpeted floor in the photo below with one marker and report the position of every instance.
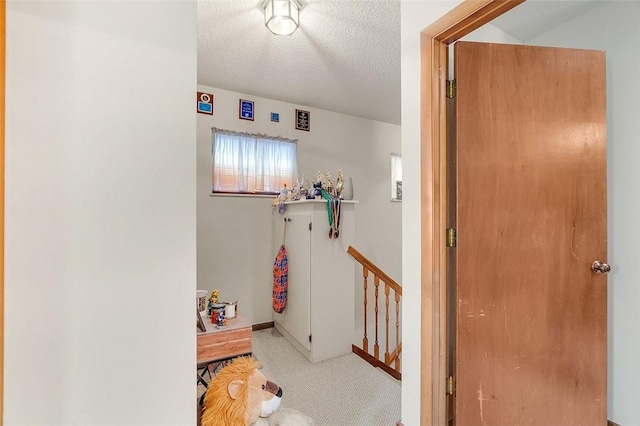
(343, 391)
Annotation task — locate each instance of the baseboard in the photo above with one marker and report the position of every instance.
(610, 423)
(376, 362)
(262, 326)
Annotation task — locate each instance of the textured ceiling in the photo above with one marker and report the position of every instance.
(345, 57)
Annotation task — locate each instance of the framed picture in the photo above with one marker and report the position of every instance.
(303, 119)
(204, 103)
(200, 322)
(246, 110)
(275, 117)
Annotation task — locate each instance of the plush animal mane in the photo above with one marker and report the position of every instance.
(221, 409)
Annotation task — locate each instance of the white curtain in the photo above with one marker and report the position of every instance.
(244, 163)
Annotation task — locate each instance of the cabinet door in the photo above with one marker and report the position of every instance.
(296, 318)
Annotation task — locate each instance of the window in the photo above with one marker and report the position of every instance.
(396, 177)
(252, 164)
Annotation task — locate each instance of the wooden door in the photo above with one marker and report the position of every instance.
(531, 315)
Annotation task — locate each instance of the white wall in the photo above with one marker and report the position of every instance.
(613, 28)
(415, 16)
(235, 245)
(490, 34)
(100, 213)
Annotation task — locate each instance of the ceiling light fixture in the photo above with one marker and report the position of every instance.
(282, 17)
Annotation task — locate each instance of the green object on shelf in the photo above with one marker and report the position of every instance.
(328, 197)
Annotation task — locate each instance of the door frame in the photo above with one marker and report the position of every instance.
(434, 41)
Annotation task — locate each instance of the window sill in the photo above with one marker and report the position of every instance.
(229, 194)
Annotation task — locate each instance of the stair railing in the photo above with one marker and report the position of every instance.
(391, 362)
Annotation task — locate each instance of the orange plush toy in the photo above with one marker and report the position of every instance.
(239, 395)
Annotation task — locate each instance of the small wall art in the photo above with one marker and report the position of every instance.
(303, 120)
(275, 117)
(246, 110)
(204, 103)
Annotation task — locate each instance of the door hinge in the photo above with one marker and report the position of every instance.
(309, 226)
(309, 338)
(451, 386)
(451, 237)
(451, 89)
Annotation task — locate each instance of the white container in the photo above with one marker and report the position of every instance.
(347, 190)
(230, 309)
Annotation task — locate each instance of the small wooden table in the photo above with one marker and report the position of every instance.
(217, 344)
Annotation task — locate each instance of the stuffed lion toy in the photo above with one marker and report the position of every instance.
(239, 394)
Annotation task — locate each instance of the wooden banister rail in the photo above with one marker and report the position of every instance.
(391, 362)
(375, 270)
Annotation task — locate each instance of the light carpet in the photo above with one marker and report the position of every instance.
(342, 391)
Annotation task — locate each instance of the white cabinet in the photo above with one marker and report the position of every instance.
(319, 317)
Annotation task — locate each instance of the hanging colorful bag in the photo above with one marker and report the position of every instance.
(281, 277)
(280, 280)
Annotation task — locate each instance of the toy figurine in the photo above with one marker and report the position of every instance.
(317, 189)
(221, 321)
(213, 300)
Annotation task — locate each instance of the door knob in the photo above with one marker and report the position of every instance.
(600, 268)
